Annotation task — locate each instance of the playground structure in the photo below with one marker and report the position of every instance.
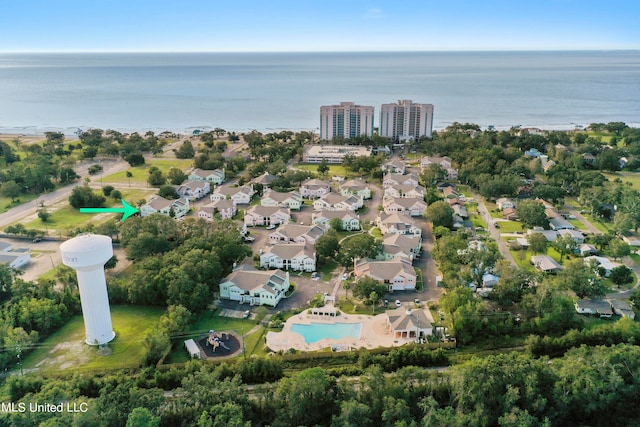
(216, 341)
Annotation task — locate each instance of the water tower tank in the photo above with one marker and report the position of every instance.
(87, 254)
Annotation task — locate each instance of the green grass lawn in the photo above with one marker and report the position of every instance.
(632, 177)
(523, 258)
(635, 258)
(510, 226)
(326, 270)
(577, 224)
(334, 170)
(140, 173)
(66, 349)
(353, 306)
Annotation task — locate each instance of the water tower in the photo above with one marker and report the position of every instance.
(87, 254)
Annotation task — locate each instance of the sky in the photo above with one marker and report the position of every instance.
(316, 25)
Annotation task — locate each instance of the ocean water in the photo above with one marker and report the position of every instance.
(268, 91)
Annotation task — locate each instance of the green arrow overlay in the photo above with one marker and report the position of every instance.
(127, 210)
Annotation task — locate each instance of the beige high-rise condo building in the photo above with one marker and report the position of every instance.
(346, 120)
(406, 120)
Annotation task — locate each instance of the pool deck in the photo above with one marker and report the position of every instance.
(374, 333)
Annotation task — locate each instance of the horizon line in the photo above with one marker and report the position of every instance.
(323, 51)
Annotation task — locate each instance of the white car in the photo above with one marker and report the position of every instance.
(271, 227)
(345, 276)
(398, 303)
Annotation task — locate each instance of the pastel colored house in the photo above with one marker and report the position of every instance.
(398, 274)
(401, 246)
(314, 188)
(350, 220)
(395, 179)
(291, 200)
(296, 233)
(394, 166)
(266, 215)
(241, 195)
(355, 188)
(193, 189)
(338, 202)
(397, 224)
(215, 176)
(295, 256)
(162, 206)
(405, 191)
(255, 287)
(411, 207)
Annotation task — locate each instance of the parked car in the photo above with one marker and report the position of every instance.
(249, 239)
(315, 276)
(398, 303)
(345, 276)
(271, 227)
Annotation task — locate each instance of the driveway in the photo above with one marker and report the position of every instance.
(493, 231)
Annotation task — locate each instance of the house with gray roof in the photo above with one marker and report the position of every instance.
(407, 323)
(256, 287)
(545, 263)
(241, 195)
(622, 309)
(296, 233)
(355, 187)
(401, 246)
(411, 207)
(601, 308)
(179, 207)
(338, 202)
(350, 220)
(398, 274)
(291, 199)
(397, 224)
(215, 176)
(295, 256)
(266, 215)
(193, 189)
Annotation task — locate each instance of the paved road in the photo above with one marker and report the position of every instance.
(493, 231)
(582, 219)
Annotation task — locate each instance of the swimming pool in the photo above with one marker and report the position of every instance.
(335, 331)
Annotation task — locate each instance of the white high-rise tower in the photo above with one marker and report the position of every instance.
(87, 254)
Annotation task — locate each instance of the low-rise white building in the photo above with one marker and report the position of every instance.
(355, 187)
(162, 206)
(398, 274)
(296, 233)
(338, 202)
(411, 207)
(314, 188)
(401, 246)
(193, 189)
(395, 179)
(397, 224)
(266, 215)
(291, 200)
(298, 257)
(241, 195)
(256, 287)
(215, 176)
(350, 221)
(334, 153)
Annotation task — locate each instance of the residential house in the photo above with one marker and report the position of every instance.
(226, 208)
(401, 246)
(215, 176)
(489, 280)
(589, 159)
(394, 166)
(398, 274)
(291, 200)
(460, 211)
(265, 179)
(241, 195)
(355, 187)
(546, 163)
(350, 221)
(587, 249)
(338, 202)
(558, 223)
(574, 234)
(248, 285)
(405, 191)
(406, 323)
(594, 307)
(160, 205)
(450, 192)
(503, 203)
(412, 207)
(193, 189)
(5, 246)
(632, 240)
(395, 179)
(622, 309)
(295, 233)
(510, 214)
(550, 235)
(533, 152)
(602, 263)
(396, 223)
(266, 215)
(295, 256)
(545, 263)
(445, 162)
(314, 188)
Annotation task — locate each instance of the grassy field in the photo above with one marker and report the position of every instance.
(66, 349)
(523, 258)
(140, 173)
(334, 170)
(632, 177)
(64, 217)
(510, 226)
